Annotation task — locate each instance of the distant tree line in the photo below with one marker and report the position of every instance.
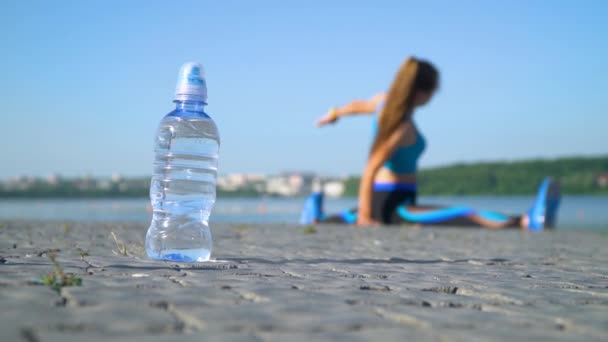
(67, 188)
(136, 187)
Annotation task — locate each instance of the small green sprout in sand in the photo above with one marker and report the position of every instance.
(240, 228)
(57, 279)
(310, 230)
(122, 248)
(67, 228)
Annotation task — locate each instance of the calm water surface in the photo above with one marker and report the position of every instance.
(576, 213)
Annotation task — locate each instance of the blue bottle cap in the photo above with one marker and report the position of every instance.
(191, 85)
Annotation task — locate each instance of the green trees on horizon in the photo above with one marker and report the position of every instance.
(577, 175)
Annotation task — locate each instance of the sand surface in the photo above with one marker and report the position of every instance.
(288, 283)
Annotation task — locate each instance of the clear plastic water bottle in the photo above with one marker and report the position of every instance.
(183, 187)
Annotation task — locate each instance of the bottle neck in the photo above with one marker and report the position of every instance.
(190, 106)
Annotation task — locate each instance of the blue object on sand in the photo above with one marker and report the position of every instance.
(313, 209)
(349, 216)
(543, 213)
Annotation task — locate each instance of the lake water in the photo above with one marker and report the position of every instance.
(576, 212)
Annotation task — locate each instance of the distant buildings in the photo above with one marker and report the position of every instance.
(290, 184)
(286, 184)
(601, 180)
(53, 179)
(20, 183)
(334, 188)
(241, 181)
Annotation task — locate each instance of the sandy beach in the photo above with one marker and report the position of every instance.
(278, 283)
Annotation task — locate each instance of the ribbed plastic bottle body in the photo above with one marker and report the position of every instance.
(183, 187)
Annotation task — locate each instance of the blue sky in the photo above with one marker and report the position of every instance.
(84, 83)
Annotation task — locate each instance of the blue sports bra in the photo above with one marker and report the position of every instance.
(405, 158)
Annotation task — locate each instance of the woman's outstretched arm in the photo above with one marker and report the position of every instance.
(368, 106)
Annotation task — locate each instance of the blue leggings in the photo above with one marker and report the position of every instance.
(398, 206)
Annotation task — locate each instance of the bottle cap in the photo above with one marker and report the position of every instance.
(191, 85)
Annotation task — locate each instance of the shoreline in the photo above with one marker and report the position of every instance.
(576, 212)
